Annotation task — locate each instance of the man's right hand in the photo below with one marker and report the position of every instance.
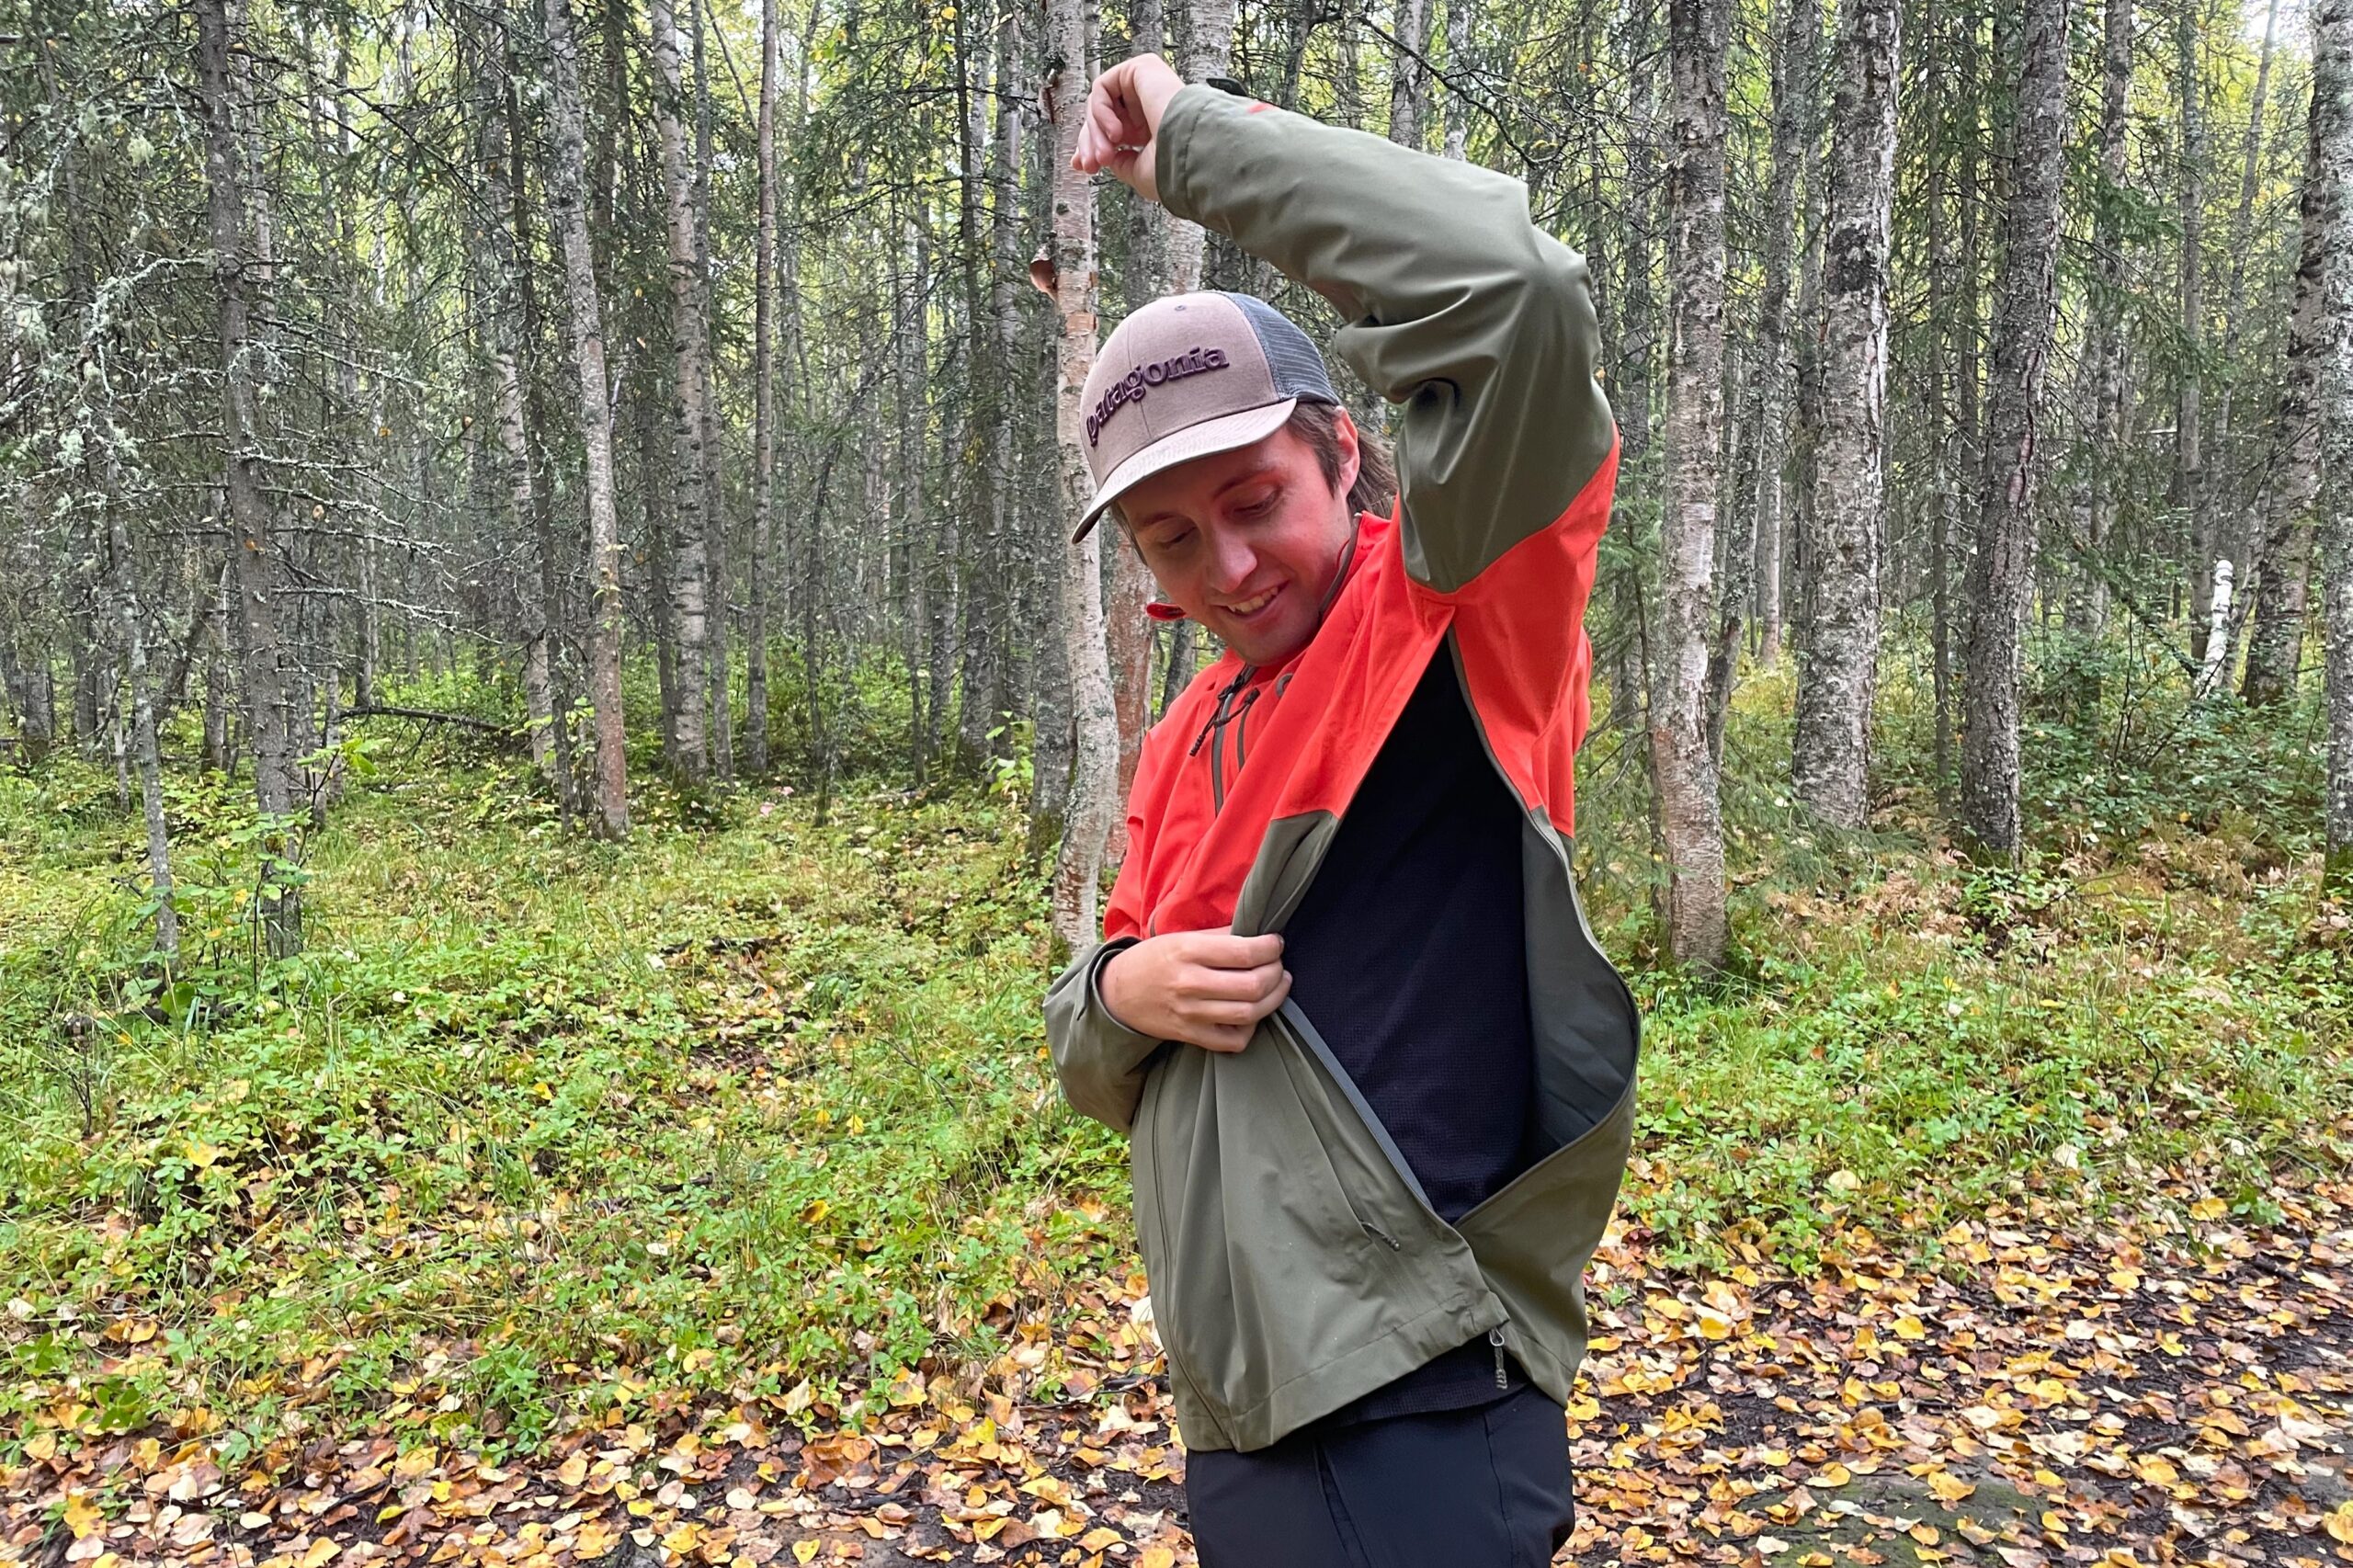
(1122, 125)
(1206, 988)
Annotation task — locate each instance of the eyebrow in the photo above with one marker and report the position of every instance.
(1246, 476)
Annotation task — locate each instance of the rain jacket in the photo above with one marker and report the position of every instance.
(1295, 1262)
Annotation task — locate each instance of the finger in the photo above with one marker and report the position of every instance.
(1234, 984)
(1273, 999)
(1106, 118)
(1219, 950)
(1222, 1015)
(1226, 1041)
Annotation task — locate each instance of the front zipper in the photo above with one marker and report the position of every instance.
(1373, 1230)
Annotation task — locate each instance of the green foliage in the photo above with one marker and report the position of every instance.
(539, 1125)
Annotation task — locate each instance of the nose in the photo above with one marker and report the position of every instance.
(1230, 561)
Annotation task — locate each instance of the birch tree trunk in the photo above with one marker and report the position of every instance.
(989, 687)
(1092, 801)
(689, 568)
(252, 549)
(1462, 64)
(756, 583)
(568, 198)
(2001, 579)
(1796, 91)
(1409, 81)
(2276, 643)
(2104, 355)
(1209, 52)
(1691, 813)
(1130, 586)
(2332, 143)
(718, 667)
(1837, 667)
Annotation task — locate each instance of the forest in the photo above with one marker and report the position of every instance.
(552, 735)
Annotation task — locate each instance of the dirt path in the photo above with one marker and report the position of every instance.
(2112, 1401)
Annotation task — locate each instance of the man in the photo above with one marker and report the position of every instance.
(1377, 1076)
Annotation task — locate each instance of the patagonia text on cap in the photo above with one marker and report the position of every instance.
(1187, 376)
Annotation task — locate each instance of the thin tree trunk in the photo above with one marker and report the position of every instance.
(253, 551)
(2189, 457)
(123, 577)
(2002, 577)
(1689, 808)
(1409, 79)
(755, 585)
(690, 355)
(1796, 93)
(1462, 65)
(2332, 143)
(567, 198)
(715, 532)
(1837, 667)
(1093, 801)
(2246, 533)
(1209, 52)
(2276, 643)
(2103, 362)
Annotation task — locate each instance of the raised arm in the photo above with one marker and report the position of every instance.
(1457, 306)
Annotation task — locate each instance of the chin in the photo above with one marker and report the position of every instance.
(1268, 646)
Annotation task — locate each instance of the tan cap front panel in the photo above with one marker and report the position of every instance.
(1174, 364)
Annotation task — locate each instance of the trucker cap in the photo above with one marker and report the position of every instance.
(1189, 375)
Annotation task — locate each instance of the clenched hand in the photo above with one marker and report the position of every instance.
(1123, 119)
(1206, 988)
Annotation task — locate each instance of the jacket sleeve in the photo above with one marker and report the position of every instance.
(1458, 307)
(1100, 1062)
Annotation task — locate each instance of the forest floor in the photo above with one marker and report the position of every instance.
(708, 1200)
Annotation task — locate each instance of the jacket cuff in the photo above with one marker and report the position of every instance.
(1099, 1060)
(1103, 956)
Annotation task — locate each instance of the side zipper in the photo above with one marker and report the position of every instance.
(1373, 1230)
(1495, 1338)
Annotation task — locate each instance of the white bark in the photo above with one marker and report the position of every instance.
(1838, 662)
(691, 356)
(1691, 813)
(1209, 52)
(1091, 799)
(2332, 143)
(756, 631)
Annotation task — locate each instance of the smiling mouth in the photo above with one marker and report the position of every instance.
(1251, 607)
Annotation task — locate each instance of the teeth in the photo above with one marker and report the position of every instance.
(1252, 607)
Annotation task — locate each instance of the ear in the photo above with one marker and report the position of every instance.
(1351, 454)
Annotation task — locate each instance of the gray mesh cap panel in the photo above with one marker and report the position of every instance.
(1297, 366)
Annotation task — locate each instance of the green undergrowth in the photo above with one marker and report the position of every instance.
(538, 1124)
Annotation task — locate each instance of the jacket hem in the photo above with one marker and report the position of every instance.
(1331, 1384)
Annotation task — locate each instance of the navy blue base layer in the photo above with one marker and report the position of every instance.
(1484, 1488)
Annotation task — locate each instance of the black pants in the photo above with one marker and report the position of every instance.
(1484, 1488)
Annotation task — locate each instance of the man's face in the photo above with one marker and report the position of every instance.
(1247, 541)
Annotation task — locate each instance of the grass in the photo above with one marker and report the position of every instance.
(749, 1105)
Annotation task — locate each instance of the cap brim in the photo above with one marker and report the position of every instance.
(1223, 433)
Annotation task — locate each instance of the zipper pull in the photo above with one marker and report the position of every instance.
(1495, 1338)
(1372, 1229)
